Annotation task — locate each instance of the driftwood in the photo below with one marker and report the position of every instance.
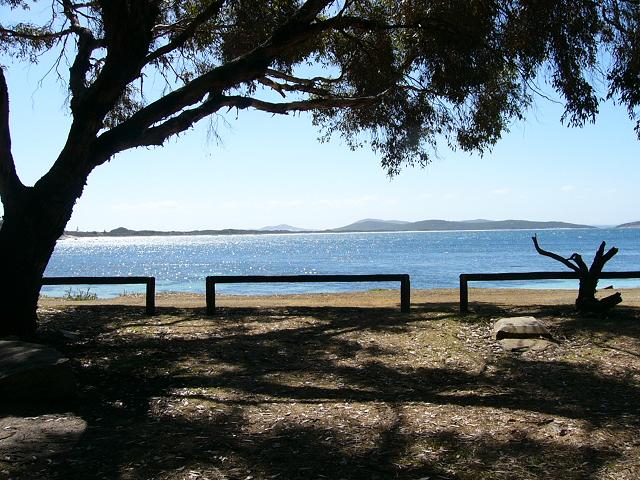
(588, 277)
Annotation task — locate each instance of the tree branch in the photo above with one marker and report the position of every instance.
(241, 103)
(246, 68)
(555, 256)
(285, 87)
(582, 266)
(8, 176)
(156, 135)
(601, 258)
(205, 15)
(87, 43)
(303, 81)
(41, 36)
(310, 10)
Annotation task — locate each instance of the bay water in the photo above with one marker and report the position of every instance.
(433, 259)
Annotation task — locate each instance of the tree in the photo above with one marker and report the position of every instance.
(403, 76)
(588, 277)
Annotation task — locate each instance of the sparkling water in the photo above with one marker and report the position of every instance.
(433, 259)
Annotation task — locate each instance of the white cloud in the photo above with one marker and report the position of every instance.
(567, 188)
(501, 191)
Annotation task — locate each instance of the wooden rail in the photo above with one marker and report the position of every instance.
(491, 277)
(150, 283)
(404, 279)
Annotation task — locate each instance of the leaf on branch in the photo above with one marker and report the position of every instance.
(27, 41)
(129, 103)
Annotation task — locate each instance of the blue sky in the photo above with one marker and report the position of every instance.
(271, 170)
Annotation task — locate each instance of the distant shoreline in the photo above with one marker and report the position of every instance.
(455, 227)
(361, 226)
(309, 232)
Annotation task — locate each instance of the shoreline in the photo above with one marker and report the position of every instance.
(369, 298)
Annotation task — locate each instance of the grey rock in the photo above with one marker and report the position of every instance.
(34, 372)
(520, 327)
(524, 344)
(522, 333)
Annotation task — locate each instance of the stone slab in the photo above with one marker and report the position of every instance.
(35, 373)
(520, 328)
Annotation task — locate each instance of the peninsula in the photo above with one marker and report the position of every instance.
(365, 225)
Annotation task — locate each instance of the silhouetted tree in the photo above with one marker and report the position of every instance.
(588, 277)
(401, 75)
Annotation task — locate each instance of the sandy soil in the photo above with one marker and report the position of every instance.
(371, 298)
(339, 386)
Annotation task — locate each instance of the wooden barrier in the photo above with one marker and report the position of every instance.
(404, 279)
(150, 283)
(492, 277)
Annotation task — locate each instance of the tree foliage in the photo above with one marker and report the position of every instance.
(402, 75)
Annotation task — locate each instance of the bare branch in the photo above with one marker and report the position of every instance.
(582, 266)
(609, 255)
(555, 256)
(601, 258)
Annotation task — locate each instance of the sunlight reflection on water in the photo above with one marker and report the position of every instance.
(433, 259)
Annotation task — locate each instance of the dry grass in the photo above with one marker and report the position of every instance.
(355, 390)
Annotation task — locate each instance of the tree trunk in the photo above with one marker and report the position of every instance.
(28, 236)
(587, 301)
(589, 276)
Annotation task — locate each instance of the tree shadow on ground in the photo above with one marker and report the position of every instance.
(623, 320)
(485, 309)
(195, 400)
(618, 321)
(217, 448)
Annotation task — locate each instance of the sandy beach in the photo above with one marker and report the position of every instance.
(373, 298)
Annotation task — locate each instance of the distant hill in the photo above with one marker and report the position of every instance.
(283, 227)
(444, 225)
(366, 225)
(629, 225)
(374, 225)
(125, 232)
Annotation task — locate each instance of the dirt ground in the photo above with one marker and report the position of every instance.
(336, 386)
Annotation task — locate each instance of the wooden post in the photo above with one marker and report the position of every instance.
(405, 294)
(151, 296)
(464, 294)
(210, 295)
